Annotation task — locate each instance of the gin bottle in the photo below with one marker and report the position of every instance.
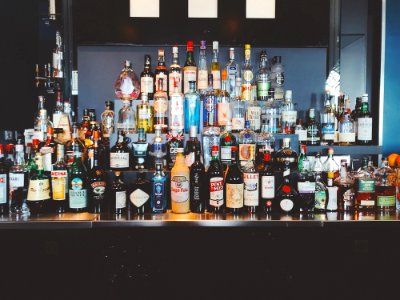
(158, 149)
(327, 123)
(238, 109)
(278, 77)
(289, 114)
(140, 150)
(202, 70)
(192, 108)
(139, 196)
(233, 72)
(263, 78)
(158, 198)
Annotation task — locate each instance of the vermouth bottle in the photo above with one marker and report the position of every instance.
(117, 195)
(139, 197)
(120, 154)
(234, 185)
(147, 78)
(39, 188)
(215, 180)
(267, 184)
(251, 187)
(77, 178)
(59, 182)
(197, 185)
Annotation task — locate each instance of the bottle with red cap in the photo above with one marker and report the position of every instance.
(267, 184)
(190, 68)
(216, 201)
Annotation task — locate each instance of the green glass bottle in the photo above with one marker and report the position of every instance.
(39, 188)
(78, 199)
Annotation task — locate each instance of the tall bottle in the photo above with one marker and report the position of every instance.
(215, 181)
(224, 108)
(117, 195)
(176, 117)
(289, 114)
(180, 185)
(59, 182)
(198, 192)
(58, 57)
(234, 186)
(364, 123)
(215, 67)
(267, 184)
(139, 196)
(192, 108)
(189, 68)
(251, 192)
(18, 181)
(347, 132)
(253, 112)
(158, 200)
(227, 140)
(247, 71)
(210, 105)
(145, 115)
(39, 188)
(147, 78)
(4, 188)
(238, 109)
(161, 72)
(313, 133)
(161, 107)
(210, 137)
(77, 177)
(192, 146)
(247, 144)
(120, 154)
(278, 77)
(126, 118)
(202, 70)
(327, 123)
(263, 77)
(233, 72)
(175, 72)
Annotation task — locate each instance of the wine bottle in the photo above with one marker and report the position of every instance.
(234, 185)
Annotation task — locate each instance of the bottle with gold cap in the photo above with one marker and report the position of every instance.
(247, 71)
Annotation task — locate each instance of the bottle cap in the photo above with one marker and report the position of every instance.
(95, 135)
(193, 131)
(311, 113)
(330, 151)
(247, 124)
(364, 98)
(175, 49)
(277, 59)
(215, 45)
(224, 75)
(267, 156)
(234, 148)
(247, 46)
(160, 52)
(144, 96)
(286, 142)
(288, 94)
(203, 45)
(190, 46)
(117, 173)
(127, 63)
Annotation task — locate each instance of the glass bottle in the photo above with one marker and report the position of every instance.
(117, 195)
(41, 125)
(327, 123)
(347, 127)
(192, 108)
(176, 118)
(198, 192)
(211, 136)
(247, 144)
(139, 197)
(263, 77)
(289, 114)
(107, 122)
(233, 72)
(202, 70)
(120, 154)
(180, 187)
(251, 187)
(161, 72)
(365, 199)
(74, 146)
(215, 179)
(278, 77)
(345, 192)
(330, 167)
(189, 68)
(385, 187)
(267, 184)
(192, 146)
(247, 71)
(354, 114)
(253, 112)
(58, 57)
(216, 68)
(59, 182)
(140, 150)
(286, 156)
(161, 107)
(265, 143)
(84, 125)
(271, 112)
(48, 151)
(175, 72)
(4, 188)
(364, 123)
(227, 140)
(306, 182)
(145, 115)
(301, 131)
(127, 85)
(18, 182)
(321, 195)
(77, 177)
(210, 105)
(234, 186)
(287, 197)
(313, 133)
(158, 149)
(174, 142)
(158, 201)
(39, 188)
(224, 109)
(126, 118)
(147, 78)
(238, 109)
(59, 107)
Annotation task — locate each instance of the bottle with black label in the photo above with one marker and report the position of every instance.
(18, 182)
(192, 146)
(313, 133)
(158, 201)
(4, 185)
(215, 178)
(117, 195)
(197, 184)
(175, 141)
(139, 197)
(120, 154)
(77, 177)
(39, 188)
(147, 78)
(59, 182)
(267, 184)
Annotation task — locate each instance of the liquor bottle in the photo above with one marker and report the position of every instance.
(39, 188)
(251, 192)
(238, 109)
(147, 78)
(180, 190)
(176, 118)
(210, 105)
(289, 114)
(58, 57)
(211, 136)
(247, 144)
(301, 131)
(306, 182)
(321, 195)
(385, 187)
(327, 123)
(174, 142)
(117, 195)
(74, 146)
(158, 149)
(4, 188)
(69, 112)
(107, 122)
(364, 123)
(202, 70)
(139, 196)
(59, 182)
(189, 68)
(247, 71)
(84, 125)
(126, 118)
(347, 132)
(355, 112)
(145, 115)
(330, 168)
(42, 122)
(278, 77)
(120, 154)
(198, 190)
(263, 77)
(161, 72)
(265, 143)
(127, 85)
(59, 108)
(215, 179)
(140, 150)
(161, 107)
(345, 192)
(97, 182)
(234, 186)
(287, 198)
(48, 151)
(286, 157)
(77, 184)
(271, 114)
(227, 140)
(158, 198)
(253, 112)
(18, 181)
(192, 108)
(267, 184)
(233, 72)
(192, 146)
(9, 159)
(313, 133)
(224, 108)
(31, 150)
(175, 72)
(88, 141)
(216, 68)
(365, 199)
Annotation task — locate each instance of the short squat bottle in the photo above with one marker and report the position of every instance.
(39, 188)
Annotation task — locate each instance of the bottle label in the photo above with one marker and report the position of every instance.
(366, 186)
(302, 133)
(160, 107)
(248, 75)
(320, 200)
(165, 83)
(46, 155)
(139, 197)
(247, 151)
(237, 123)
(332, 198)
(39, 190)
(77, 198)
(216, 79)
(175, 76)
(159, 197)
(367, 203)
(98, 189)
(189, 159)
(226, 153)
(312, 134)
(179, 189)
(120, 199)
(59, 180)
(216, 191)
(17, 180)
(364, 129)
(328, 131)
(196, 187)
(234, 195)
(64, 124)
(253, 115)
(3, 188)
(202, 80)
(386, 201)
(347, 137)
(289, 116)
(306, 187)
(251, 191)
(143, 114)
(147, 85)
(189, 74)
(56, 60)
(224, 113)
(267, 187)
(119, 160)
(177, 119)
(280, 79)
(262, 88)
(246, 91)
(286, 205)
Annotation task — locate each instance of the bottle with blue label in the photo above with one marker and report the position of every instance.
(158, 201)
(78, 198)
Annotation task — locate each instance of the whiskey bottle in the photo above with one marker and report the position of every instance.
(192, 108)
(158, 201)
(117, 195)
(120, 154)
(286, 157)
(189, 68)
(234, 185)
(180, 185)
(345, 192)
(364, 123)
(161, 107)
(147, 78)
(39, 188)
(77, 177)
(267, 184)
(140, 151)
(313, 133)
(145, 115)
(215, 180)
(139, 196)
(198, 187)
(385, 187)
(59, 182)
(175, 72)
(365, 199)
(161, 72)
(74, 146)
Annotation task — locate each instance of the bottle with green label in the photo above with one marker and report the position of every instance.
(385, 187)
(77, 184)
(365, 188)
(321, 195)
(39, 188)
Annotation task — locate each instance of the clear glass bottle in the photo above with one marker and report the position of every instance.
(189, 68)
(327, 123)
(233, 72)
(347, 135)
(224, 107)
(161, 72)
(238, 109)
(176, 111)
(140, 151)
(271, 114)
(313, 132)
(210, 105)
(247, 71)
(127, 85)
(107, 121)
(247, 144)
(289, 114)
(210, 137)
(202, 70)
(145, 115)
(253, 112)
(147, 78)
(158, 198)
(330, 168)
(278, 77)
(180, 185)
(192, 108)
(126, 118)
(175, 72)
(215, 67)
(158, 149)
(364, 123)
(227, 140)
(263, 77)
(161, 106)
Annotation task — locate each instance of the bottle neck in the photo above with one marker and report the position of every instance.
(19, 158)
(215, 56)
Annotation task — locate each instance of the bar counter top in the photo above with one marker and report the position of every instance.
(89, 220)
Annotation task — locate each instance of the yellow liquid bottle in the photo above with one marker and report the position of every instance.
(180, 183)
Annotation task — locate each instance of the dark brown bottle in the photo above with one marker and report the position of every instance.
(139, 197)
(198, 188)
(117, 195)
(234, 185)
(147, 78)
(267, 184)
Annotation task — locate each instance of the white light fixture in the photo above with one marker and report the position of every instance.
(203, 8)
(260, 9)
(144, 8)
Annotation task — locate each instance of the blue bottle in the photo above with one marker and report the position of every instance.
(192, 108)
(158, 202)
